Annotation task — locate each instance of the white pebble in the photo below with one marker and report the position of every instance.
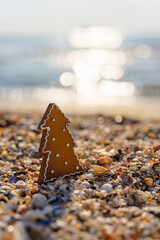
(144, 168)
(63, 187)
(119, 187)
(85, 214)
(39, 200)
(90, 175)
(139, 153)
(51, 187)
(20, 182)
(107, 187)
(86, 184)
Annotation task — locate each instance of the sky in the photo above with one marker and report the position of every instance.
(49, 16)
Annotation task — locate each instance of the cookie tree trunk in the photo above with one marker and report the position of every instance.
(57, 147)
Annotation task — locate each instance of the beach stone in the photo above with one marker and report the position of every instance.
(86, 184)
(144, 168)
(129, 201)
(51, 187)
(13, 194)
(36, 214)
(60, 224)
(21, 208)
(2, 163)
(58, 182)
(157, 182)
(3, 225)
(90, 175)
(63, 187)
(120, 202)
(20, 183)
(59, 212)
(38, 201)
(5, 187)
(139, 153)
(3, 192)
(85, 214)
(148, 181)
(48, 209)
(107, 187)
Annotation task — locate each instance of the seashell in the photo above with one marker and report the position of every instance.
(85, 163)
(104, 162)
(98, 169)
(5, 153)
(85, 184)
(63, 187)
(144, 168)
(126, 179)
(107, 187)
(148, 181)
(157, 148)
(13, 179)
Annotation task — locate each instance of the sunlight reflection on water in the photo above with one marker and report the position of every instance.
(95, 37)
(95, 65)
(92, 70)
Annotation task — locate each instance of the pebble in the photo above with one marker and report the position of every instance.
(13, 194)
(51, 187)
(63, 187)
(148, 181)
(107, 187)
(144, 168)
(85, 214)
(85, 184)
(20, 183)
(38, 200)
(36, 214)
(5, 188)
(48, 209)
(2, 163)
(90, 176)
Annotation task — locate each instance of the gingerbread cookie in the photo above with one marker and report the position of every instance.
(57, 147)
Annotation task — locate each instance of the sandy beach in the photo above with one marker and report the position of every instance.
(140, 108)
(117, 196)
(96, 65)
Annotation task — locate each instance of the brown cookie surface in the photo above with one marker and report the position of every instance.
(57, 147)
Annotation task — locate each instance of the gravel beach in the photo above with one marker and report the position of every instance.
(117, 197)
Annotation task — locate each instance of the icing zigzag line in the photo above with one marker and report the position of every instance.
(46, 140)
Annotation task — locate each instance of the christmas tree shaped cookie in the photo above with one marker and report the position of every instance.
(57, 147)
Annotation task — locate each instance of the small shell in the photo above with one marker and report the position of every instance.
(98, 169)
(85, 163)
(157, 148)
(148, 181)
(126, 179)
(105, 162)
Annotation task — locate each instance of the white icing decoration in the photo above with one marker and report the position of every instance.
(77, 167)
(53, 139)
(65, 163)
(67, 144)
(63, 129)
(53, 119)
(49, 152)
(57, 155)
(52, 171)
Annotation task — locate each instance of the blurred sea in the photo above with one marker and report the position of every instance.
(87, 66)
